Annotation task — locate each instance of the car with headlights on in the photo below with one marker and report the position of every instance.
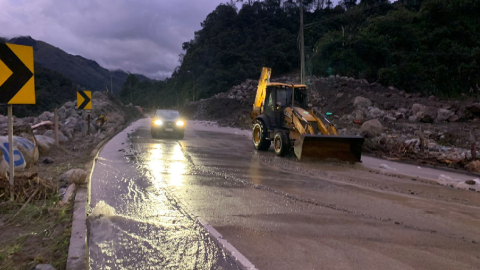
(167, 122)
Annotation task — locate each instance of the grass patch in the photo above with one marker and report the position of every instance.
(40, 233)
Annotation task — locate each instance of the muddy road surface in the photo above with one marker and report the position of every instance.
(147, 195)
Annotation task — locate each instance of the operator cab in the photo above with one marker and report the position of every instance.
(279, 96)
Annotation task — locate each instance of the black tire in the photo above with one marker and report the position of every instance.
(281, 143)
(154, 134)
(181, 135)
(259, 136)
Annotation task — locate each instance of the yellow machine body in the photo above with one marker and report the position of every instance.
(311, 134)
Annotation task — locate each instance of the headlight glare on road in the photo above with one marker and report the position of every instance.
(158, 122)
(180, 123)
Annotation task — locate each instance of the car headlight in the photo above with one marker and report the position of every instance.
(180, 123)
(158, 122)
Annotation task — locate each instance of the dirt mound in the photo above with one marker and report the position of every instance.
(443, 131)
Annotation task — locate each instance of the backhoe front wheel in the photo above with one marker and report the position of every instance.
(259, 136)
(281, 143)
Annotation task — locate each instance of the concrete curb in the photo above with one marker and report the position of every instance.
(78, 248)
(77, 257)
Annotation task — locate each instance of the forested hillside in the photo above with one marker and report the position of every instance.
(427, 46)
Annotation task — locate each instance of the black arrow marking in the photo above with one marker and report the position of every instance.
(85, 102)
(20, 76)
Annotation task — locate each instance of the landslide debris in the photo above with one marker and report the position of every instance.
(407, 126)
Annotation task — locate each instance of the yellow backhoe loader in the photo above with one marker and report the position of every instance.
(281, 115)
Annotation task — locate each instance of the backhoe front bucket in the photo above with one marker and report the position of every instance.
(317, 147)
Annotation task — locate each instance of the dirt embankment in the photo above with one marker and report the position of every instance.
(397, 125)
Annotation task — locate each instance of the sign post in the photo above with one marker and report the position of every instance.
(84, 102)
(11, 157)
(17, 86)
(55, 120)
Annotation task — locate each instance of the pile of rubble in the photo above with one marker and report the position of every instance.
(230, 108)
(35, 136)
(396, 124)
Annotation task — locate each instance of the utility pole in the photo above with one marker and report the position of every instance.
(302, 47)
(111, 82)
(131, 90)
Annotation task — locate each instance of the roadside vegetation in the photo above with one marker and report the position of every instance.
(424, 46)
(34, 233)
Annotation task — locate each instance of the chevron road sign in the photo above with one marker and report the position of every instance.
(17, 84)
(84, 100)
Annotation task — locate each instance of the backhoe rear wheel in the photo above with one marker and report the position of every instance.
(260, 134)
(281, 143)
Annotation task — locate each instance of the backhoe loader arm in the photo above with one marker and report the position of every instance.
(325, 129)
(301, 124)
(262, 88)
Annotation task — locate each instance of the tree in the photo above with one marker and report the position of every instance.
(348, 4)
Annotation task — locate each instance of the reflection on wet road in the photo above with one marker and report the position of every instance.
(281, 214)
(135, 222)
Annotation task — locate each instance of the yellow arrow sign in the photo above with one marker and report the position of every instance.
(17, 85)
(84, 100)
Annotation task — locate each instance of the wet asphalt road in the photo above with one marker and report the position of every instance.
(278, 212)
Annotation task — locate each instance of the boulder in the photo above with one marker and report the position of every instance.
(388, 106)
(111, 131)
(473, 166)
(399, 115)
(44, 144)
(28, 150)
(81, 126)
(3, 119)
(62, 115)
(444, 115)
(19, 160)
(374, 113)
(71, 113)
(74, 176)
(69, 105)
(461, 112)
(371, 128)
(61, 138)
(99, 137)
(453, 118)
(359, 115)
(361, 102)
(427, 115)
(68, 133)
(46, 116)
(389, 118)
(71, 122)
(474, 107)
(416, 108)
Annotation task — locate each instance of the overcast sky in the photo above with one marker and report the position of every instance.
(139, 36)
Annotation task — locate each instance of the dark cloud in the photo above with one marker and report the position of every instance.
(140, 36)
